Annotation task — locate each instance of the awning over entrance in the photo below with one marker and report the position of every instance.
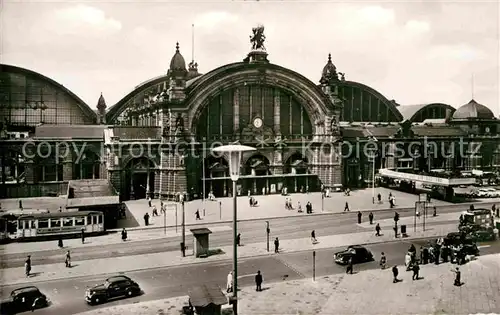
(432, 180)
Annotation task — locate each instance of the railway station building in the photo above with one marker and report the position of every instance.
(157, 140)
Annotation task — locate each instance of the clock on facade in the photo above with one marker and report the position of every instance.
(257, 122)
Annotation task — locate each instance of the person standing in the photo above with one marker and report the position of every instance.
(383, 261)
(229, 284)
(425, 255)
(149, 202)
(258, 281)
(238, 239)
(124, 235)
(370, 217)
(67, 261)
(349, 266)
(83, 236)
(276, 245)
(359, 217)
(27, 265)
(379, 197)
(458, 277)
(146, 219)
(377, 229)
(395, 273)
(60, 242)
(197, 214)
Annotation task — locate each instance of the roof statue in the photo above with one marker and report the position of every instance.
(257, 38)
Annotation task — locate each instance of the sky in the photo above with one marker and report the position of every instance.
(411, 51)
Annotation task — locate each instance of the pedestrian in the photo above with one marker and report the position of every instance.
(83, 236)
(67, 261)
(124, 235)
(434, 213)
(370, 217)
(197, 214)
(299, 207)
(27, 265)
(313, 237)
(276, 245)
(238, 239)
(425, 255)
(229, 284)
(149, 202)
(437, 254)
(155, 212)
(458, 274)
(146, 219)
(258, 281)
(359, 217)
(416, 269)
(60, 242)
(383, 261)
(346, 208)
(349, 266)
(379, 197)
(20, 204)
(395, 273)
(377, 229)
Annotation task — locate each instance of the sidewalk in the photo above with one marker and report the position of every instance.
(368, 292)
(270, 206)
(114, 238)
(167, 259)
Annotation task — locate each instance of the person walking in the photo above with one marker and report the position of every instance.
(434, 213)
(197, 214)
(416, 270)
(67, 261)
(395, 273)
(276, 245)
(238, 239)
(258, 281)
(124, 235)
(313, 237)
(83, 236)
(349, 266)
(27, 265)
(370, 217)
(346, 208)
(379, 197)
(377, 229)
(359, 217)
(383, 261)
(149, 202)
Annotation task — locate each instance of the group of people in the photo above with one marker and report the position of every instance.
(230, 282)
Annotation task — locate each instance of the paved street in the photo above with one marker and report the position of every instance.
(67, 295)
(13, 255)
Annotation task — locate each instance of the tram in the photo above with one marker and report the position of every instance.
(36, 225)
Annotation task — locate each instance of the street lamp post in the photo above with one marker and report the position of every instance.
(373, 170)
(235, 151)
(183, 245)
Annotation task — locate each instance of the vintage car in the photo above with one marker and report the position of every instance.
(466, 243)
(112, 288)
(358, 253)
(24, 299)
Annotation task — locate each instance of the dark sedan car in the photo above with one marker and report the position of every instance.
(358, 253)
(112, 288)
(24, 299)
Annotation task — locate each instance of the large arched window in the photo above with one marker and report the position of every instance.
(247, 103)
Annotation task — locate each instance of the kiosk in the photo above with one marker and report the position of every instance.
(201, 243)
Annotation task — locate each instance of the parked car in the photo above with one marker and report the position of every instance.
(483, 193)
(358, 253)
(24, 299)
(112, 288)
(492, 192)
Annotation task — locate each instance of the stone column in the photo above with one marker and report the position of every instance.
(236, 110)
(277, 106)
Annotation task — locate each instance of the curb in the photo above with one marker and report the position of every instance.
(141, 228)
(219, 260)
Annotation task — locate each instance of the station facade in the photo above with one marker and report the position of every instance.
(157, 139)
